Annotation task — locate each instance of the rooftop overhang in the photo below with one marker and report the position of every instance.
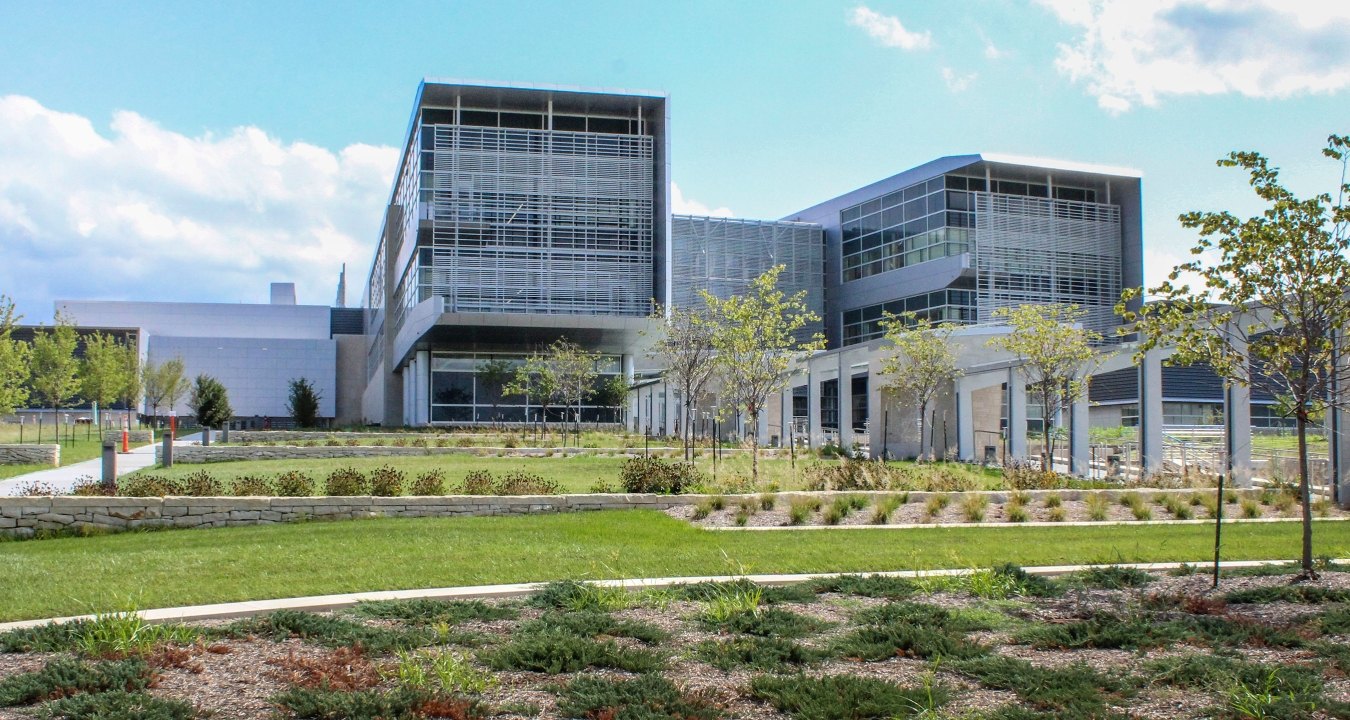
(426, 327)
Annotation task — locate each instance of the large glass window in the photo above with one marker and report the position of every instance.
(943, 306)
(465, 389)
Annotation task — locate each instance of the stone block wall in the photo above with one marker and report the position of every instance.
(30, 455)
(230, 453)
(135, 437)
(24, 516)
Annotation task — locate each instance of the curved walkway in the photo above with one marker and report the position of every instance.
(321, 603)
(64, 478)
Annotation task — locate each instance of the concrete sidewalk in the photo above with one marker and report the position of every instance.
(63, 478)
(323, 603)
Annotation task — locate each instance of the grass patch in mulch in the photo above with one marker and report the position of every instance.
(648, 697)
(423, 611)
(799, 593)
(758, 653)
(845, 697)
(593, 624)
(872, 586)
(767, 622)
(557, 652)
(1073, 691)
(1141, 632)
(1110, 577)
(334, 632)
(116, 705)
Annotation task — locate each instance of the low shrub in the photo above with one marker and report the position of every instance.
(1301, 594)
(1022, 475)
(252, 486)
(346, 482)
(137, 485)
(294, 483)
(594, 624)
(1111, 577)
(759, 653)
(519, 482)
(387, 481)
(425, 611)
(117, 705)
(874, 586)
(557, 652)
(1075, 691)
(845, 697)
(852, 474)
(654, 475)
(648, 697)
(904, 639)
(65, 676)
(431, 482)
(201, 484)
(764, 622)
(339, 669)
(323, 704)
(333, 632)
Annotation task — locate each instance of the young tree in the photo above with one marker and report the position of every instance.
(536, 378)
(303, 403)
(1055, 351)
(686, 348)
(101, 370)
(920, 364)
(129, 388)
(754, 339)
(54, 367)
(612, 393)
(494, 376)
(210, 402)
(164, 384)
(13, 361)
(575, 370)
(1273, 308)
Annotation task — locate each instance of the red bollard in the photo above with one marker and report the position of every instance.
(125, 445)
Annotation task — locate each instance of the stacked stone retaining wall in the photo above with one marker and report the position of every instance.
(135, 437)
(30, 455)
(189, 454)
(24, 516)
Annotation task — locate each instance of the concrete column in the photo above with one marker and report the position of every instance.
(965, 422)
(876, 411)
(762, 429)
(1339, 419)
(672, 409)
(109, 475)
(845, 404)
(1080, 450)
(422, 399)
(1017, 415)
(813, 432)
(1151, 413)
(393, 239)
(1237, 435)
(785, 414)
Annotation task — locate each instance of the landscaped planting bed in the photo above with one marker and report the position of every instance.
(768, 510)
(997, 643)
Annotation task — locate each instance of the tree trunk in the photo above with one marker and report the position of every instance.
(1305, 493)
(1046, 420)
(754, 458)
(923, 428)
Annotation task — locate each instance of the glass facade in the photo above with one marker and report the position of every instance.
(459, 394)
(943, 306)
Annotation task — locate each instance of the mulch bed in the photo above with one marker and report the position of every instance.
(239, 670)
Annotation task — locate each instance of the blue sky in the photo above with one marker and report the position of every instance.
(199, 151)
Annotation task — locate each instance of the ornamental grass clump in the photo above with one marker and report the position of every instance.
(1096, 504)
(973, 507)
(886, 506)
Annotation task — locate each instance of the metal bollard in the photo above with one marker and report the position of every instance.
(109, 464)
(166, 456)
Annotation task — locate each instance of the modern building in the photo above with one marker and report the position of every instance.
(519, 215)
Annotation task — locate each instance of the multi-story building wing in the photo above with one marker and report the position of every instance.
(519, 215)
(957, 238)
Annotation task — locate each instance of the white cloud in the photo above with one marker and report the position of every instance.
(888, 30)
(680, 205)
(1159, 264)
(143, 212)
(992, 51)
(957, 82)
(1133, 52)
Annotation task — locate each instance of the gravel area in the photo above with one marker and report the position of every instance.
(238, 677)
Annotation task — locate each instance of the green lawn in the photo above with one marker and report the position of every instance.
(64, 576)
(84, 445)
